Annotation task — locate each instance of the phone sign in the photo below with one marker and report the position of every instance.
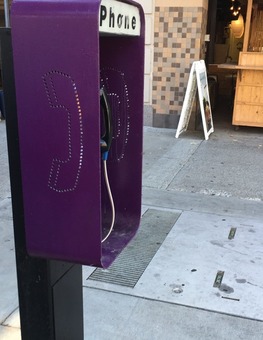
(119, 18)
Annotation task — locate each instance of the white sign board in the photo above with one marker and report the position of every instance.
(119, 18)
(204, 99)
(197, 81)
(188, 102)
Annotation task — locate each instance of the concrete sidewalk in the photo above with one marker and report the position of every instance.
(213, 186)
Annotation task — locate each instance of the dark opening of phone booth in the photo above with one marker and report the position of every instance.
(79, 69)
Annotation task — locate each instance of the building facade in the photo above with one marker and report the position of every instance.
(175, 37)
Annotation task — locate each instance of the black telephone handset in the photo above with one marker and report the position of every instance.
(105, 140)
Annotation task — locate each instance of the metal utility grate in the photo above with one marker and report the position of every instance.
(132, 262)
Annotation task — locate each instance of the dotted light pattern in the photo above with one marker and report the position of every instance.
(120, 107)
(57, 163)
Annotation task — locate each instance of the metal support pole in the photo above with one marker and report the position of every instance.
(50, 292)
(211, 30)
(7, 17)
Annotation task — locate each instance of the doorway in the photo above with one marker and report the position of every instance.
(224, 46)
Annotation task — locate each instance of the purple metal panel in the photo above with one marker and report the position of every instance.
(57, 61)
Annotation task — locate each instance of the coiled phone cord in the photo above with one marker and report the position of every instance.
(111, 199)
(105, 143)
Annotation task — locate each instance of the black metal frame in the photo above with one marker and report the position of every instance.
(50, 292)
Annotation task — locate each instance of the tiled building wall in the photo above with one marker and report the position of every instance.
(179, 34)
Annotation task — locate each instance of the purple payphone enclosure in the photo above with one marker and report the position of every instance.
(61, 61)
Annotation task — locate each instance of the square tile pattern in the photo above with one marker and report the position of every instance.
(178, 41)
